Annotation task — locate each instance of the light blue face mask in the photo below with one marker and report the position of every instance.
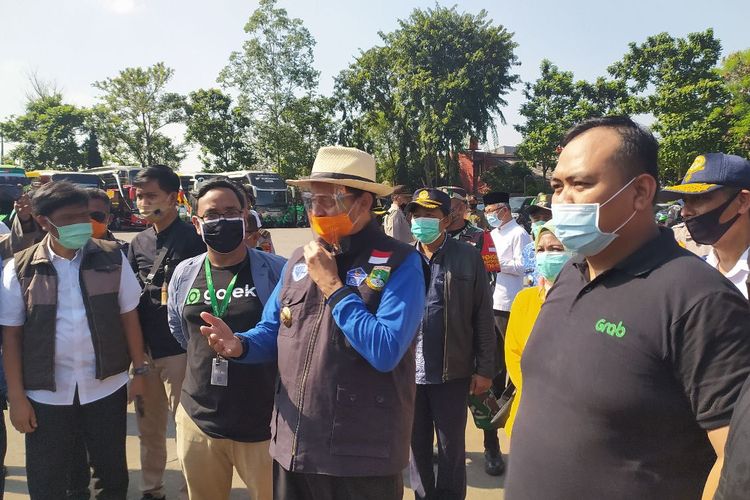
(549, 264)
(577, 225)
(493, 220)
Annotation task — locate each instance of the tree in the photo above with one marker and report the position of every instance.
(554, 103)
(735, 70)
(273, 70)
(91, 147)
(222, 131)
(135, 107)
(441, 77)
(49, 134)
(677, 81)
(364, 95)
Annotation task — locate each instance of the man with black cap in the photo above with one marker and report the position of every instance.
(455, 349)
(510, 240)
(459, 226)
(395, 223)
(716, 195)
(341, 323)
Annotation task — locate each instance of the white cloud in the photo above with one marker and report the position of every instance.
(122, 7)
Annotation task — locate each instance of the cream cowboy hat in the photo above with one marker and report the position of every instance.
(345, 167)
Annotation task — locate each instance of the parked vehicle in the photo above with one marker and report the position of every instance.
(272, 199)
(13, 182)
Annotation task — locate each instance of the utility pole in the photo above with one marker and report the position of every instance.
(2, 147)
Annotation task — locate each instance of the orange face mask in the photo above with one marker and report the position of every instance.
(332, 228)
(99, 229)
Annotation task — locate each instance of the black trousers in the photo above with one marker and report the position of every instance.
(300, 486)
(442, 409)
(50, 448)
(80, 471)
(491, 441)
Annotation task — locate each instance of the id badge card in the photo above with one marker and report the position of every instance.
(219, 372)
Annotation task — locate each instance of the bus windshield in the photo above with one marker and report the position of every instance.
(270, 198)
(267, 181)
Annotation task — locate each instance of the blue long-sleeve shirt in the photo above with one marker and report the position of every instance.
(381, 338)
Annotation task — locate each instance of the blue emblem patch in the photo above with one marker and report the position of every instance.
(299, 271)
(355, 277)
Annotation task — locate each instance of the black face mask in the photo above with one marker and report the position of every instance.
(705, 229)
(224, 235)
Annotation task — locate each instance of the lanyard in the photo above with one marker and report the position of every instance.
(216, 308)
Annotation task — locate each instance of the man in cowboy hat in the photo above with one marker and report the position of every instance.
(341, 324)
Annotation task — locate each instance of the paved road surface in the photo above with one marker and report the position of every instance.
(481, 486)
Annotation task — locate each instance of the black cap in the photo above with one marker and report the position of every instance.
(496, 197)
(430, 198)
(401, 189)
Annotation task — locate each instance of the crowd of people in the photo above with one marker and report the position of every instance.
(609, 349)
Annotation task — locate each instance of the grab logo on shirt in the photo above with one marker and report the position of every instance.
(194, 295)
(612, 329)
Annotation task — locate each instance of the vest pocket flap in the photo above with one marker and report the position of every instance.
(349, 397)
(293, 295)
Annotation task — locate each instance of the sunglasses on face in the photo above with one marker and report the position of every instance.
(100, 217)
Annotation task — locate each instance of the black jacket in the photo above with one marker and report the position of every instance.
(470, 344)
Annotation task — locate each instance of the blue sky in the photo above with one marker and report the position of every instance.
(76, 42)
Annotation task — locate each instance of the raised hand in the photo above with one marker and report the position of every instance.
(220, 337)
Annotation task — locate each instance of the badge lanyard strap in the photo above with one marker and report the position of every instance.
(216, 308)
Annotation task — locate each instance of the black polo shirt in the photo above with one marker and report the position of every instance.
(624, 375)
(181, 242)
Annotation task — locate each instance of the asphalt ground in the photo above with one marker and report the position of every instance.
(480, 485)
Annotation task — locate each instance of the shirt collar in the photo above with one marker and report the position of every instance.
(741, 265)
(54, 256)
(645, 259)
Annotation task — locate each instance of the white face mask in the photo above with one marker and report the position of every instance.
(577, 225)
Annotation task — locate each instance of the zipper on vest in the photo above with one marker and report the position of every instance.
(446, 284)
(303, 381)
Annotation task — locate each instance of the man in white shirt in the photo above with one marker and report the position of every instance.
(70, 330)
(716, 192)
(510, 240)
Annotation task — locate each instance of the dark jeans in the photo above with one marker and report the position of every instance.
(49, 449)
(441, 409)
(300, 486)
(491, 441)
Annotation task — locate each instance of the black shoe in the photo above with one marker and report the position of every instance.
(493, 463)
(149, 496)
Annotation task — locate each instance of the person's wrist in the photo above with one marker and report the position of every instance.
(332, 287)
(139, 371)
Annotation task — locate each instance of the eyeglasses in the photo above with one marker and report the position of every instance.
(215, 216)
(100, 217)
(324, 201)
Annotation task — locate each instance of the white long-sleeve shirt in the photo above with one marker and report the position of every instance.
(510, 238)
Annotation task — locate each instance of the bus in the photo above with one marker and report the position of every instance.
(13, 182)
(271, 196)
(118, 182)
(83, 179)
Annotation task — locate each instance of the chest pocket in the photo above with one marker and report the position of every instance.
(292, 310)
